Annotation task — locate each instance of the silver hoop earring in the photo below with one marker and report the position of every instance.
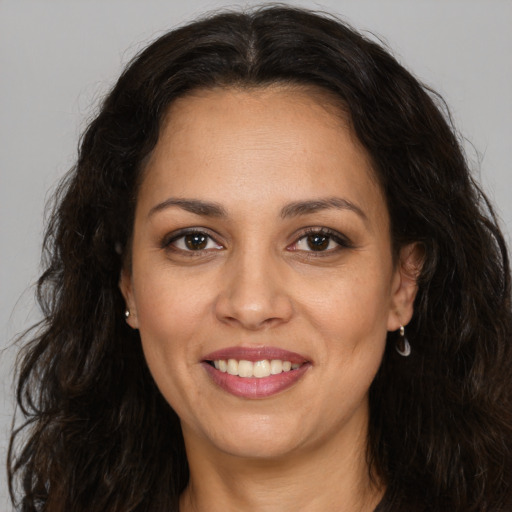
(127, 313)
(402, 345)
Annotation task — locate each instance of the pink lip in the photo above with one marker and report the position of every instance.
(252, 387)
(256, 354)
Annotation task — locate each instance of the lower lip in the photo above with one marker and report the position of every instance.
(252, 387)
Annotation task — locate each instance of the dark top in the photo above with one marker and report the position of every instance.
(398, 503)
(390, 504)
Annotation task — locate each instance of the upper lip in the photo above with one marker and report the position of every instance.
(256, 354)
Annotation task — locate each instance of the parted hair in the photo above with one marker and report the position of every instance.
(96, 434)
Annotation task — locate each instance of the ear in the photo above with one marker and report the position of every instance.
(126, 287)
(405, 285)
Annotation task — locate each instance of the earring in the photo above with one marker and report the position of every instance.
(127, 313)
(402, 345)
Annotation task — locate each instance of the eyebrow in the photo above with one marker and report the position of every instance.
(298, 208)
(294, 209)
(197, 206)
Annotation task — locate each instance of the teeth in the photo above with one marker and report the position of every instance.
(261, 368)
(276, 366)
(232, 367)
(245, 368)
(258, 369)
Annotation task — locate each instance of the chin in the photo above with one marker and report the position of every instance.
(259, 448)
(257, 438)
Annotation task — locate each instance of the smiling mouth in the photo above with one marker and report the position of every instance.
(255, 372)
(254, 369)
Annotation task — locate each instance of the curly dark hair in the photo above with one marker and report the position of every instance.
(98, 435)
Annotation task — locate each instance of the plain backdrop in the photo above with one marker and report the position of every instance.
(58, 58)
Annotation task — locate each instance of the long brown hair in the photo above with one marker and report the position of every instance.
(97, 433)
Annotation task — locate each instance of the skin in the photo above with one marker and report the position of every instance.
(258, 283)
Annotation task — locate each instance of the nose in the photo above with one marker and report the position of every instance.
(253, 294)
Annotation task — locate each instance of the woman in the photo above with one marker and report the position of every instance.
(271, 284)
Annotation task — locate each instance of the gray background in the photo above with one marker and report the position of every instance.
(57, 59)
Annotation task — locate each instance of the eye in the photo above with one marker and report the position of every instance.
(320, 240)
(192, 241)
(316, 242)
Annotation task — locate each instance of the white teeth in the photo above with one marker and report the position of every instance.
(245, 368)
(276, 366)
(232, 367)
(261, 368)
(258, 369)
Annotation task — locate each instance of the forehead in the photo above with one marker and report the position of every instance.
(271, 108)
(290, 143)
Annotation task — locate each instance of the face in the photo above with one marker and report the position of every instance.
(262, 278)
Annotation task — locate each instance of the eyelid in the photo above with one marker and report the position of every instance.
(168, 239)
(342, 240)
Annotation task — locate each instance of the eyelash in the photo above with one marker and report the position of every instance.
(342, 241)
(169, 240)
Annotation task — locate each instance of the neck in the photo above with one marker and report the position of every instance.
(333, 476)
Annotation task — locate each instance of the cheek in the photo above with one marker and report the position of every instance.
(349, 304)
(165, 301)
(170, 314)
(169, 318)
(349, 318)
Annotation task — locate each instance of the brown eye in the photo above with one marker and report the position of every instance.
(318, 241)
(321, 240)
(196, 241)
(192, 241)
